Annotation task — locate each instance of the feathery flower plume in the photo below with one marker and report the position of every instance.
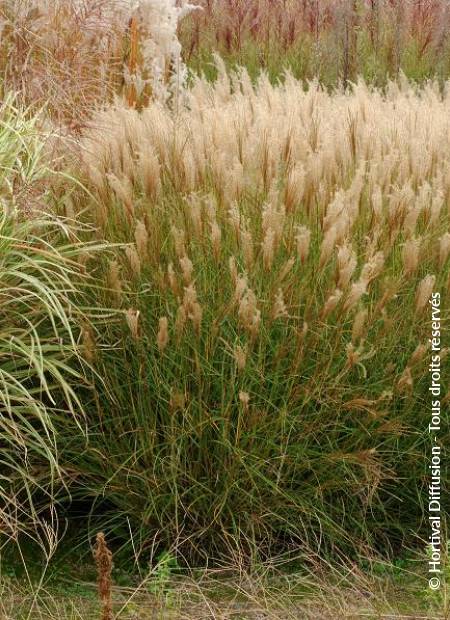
(163, 333)
(405, 382)
(346, 265)
(234, 217)
(141, 239)
(279, 308)
(268, 248)
(180, 320)
(240, 356)
(114, 281)
(124, 191)
(192, 307)
(286, 269)
(331, 303)
(444, 249)
(216, 238)
(195, 212)
(328, 243)
(418, 354)
(410, 255)
(187, 269)
(163, 69)
(372, 269)
(244, 398)
(149, 171)
(172, 278)
(303, 239)
(357, 290)
(247, 246)
(424, 291)
(295, 187)
(249, 314)
(134, 260)
(132, 317)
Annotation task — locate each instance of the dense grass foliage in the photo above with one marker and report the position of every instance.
(332, 40)
(268, 381)
(214, 324)
(41, 271)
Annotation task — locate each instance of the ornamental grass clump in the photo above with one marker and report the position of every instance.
(76, 55)
(267, 385)
(43, 328)
(333, 40)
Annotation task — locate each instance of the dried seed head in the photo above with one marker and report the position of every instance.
(286, 269)
(436, 206)
(124, 191)
(410, 255)
(103, 560)
(424, 291)
(196, 316)
(187, 268)
(141, 239)
(247, 246)
(241, 285)
(133, 260)
(268, 248)
(234, 217)
(114, 281)
(244, 398)
(132, 317)
(346, 265)
(89, 345)
(163, 333)
(444, 249)
(149, 172)
(180, 321)
(372, 268)
(410, 221)
(279, 308)
(357, 290)
(418, 354)
(331, 303)
(193, 309)
(173, 282)
(353, 355)
(240, 356)
(295, 187)
(377, 203)
(249, 314)
(405, 382)
(195, 212)
(327, 247)
(303, 240)
(273, 217)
